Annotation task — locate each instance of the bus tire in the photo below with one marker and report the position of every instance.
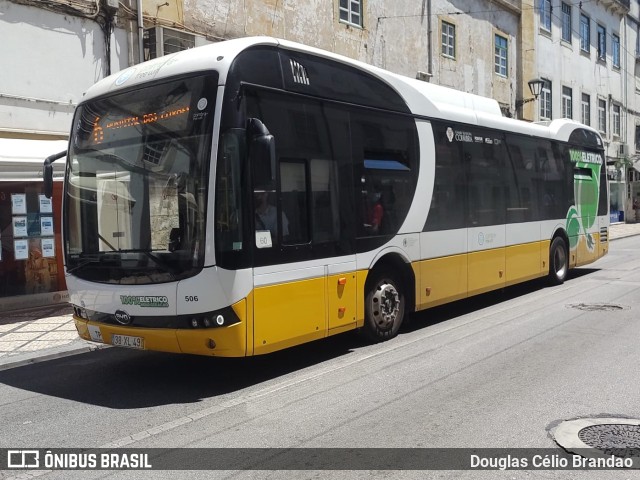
(384, 307)
(558, 261)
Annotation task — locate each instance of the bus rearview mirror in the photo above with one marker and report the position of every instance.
(262, 152)
(47, 172)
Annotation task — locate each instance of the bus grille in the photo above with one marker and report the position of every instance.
(604, 235)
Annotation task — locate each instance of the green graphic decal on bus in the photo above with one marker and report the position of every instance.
(145, 300)
(586, 187)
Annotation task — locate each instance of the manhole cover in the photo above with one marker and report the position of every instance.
(599, 437)
(613, 439)
(596, 307)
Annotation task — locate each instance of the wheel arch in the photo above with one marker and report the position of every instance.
(398, 264)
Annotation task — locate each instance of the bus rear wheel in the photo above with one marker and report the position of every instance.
(558, 261)
(384, 308)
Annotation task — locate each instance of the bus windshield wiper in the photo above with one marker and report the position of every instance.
(84, 262)
(157, 260)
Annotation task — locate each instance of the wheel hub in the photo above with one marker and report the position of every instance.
(559, 261)
(385, 306)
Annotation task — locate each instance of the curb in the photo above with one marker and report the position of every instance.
(53, 353)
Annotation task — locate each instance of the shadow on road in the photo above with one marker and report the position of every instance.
(126, 379)
(451, 310)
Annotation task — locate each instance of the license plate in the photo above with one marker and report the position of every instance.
(127, 341)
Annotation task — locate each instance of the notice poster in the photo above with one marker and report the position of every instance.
(19, 226)
(48, 248)
(36, 268)
(45, 204)
(21, 249)
(19, 203)
(46, 225)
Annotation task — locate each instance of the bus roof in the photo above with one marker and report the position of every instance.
(422, 98)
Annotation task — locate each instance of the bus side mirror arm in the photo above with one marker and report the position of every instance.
(47, 172)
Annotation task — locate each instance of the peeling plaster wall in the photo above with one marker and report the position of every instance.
(394, 37)
(169, 10)
(472, 70)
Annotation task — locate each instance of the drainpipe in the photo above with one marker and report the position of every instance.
(140, 32)
(430, 57)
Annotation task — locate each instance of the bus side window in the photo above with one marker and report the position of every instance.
(385, 153)
(485, 164)
(293, 195)
(448, 203)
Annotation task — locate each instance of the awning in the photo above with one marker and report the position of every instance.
(22, 159)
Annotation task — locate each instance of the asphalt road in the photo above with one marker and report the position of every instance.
(499, 370)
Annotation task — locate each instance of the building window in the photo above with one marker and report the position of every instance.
(545, 14)
(585, 34)
(567, 103)
(602, 42)
(602, 115)
(501, 52)
(566, 22)
(586, 109)
(615, 50)
(448, 39)
(615, 118)
(351, 12)
(545, 101)
(637, 138)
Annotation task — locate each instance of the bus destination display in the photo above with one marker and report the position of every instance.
(115, 128)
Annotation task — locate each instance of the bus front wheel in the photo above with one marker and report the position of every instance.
(384, 307)
(558, 261)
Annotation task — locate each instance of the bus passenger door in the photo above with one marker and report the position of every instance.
(290, 288)
(304, 266)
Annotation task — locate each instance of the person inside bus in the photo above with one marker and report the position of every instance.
(377, 214)
(266, 215)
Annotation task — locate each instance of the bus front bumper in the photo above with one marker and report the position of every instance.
(228, 341)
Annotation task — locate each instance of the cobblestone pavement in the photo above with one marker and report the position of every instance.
(29, 336)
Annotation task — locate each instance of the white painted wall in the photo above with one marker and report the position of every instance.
(564, 64)
(47, 61)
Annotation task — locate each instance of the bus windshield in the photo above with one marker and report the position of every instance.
(136, 192)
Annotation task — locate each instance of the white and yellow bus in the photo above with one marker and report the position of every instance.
(247, 196)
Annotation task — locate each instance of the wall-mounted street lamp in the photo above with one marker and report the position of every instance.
(535, 85)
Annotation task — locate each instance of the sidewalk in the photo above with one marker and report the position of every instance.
(39, 334)
(45, 333)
